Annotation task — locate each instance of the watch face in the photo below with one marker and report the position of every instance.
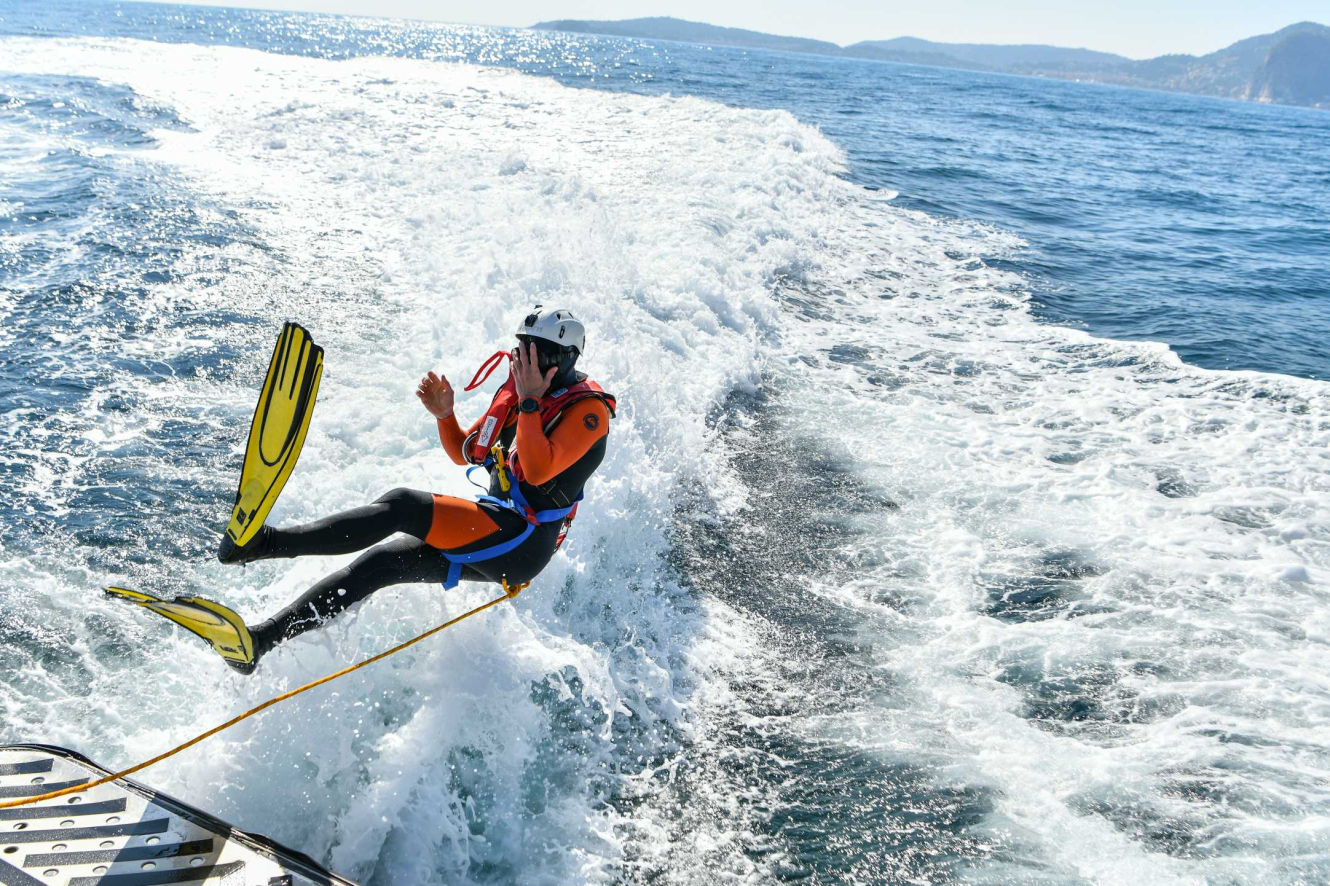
(529, 404)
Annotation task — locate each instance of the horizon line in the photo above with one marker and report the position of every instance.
(208, 4)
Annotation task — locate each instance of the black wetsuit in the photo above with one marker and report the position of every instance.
(410, 559)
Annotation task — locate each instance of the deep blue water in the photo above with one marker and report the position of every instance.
(1198, 222)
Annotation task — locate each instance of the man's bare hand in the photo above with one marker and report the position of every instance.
(527, 377)
(436, 395)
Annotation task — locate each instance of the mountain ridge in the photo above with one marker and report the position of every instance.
(1289, 66)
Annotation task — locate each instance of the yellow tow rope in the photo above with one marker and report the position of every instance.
(508, 594)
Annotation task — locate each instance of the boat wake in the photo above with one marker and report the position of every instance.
(882, 580)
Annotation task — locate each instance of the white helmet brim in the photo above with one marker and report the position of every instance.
(558, 326)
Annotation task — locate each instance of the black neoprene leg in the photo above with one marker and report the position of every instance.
(401, 510)
(401, 561)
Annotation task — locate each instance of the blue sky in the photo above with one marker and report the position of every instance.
(1135, 28)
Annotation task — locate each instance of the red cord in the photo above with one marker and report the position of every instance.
(487, 368)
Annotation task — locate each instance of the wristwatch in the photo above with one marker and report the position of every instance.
(529, 404)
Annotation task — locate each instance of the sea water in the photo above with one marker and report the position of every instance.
(964, 520)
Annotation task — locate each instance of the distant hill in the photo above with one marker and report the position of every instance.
(1297, 53)
(660, 28)
(991, 57)
(1290, 66)
(1296, 72)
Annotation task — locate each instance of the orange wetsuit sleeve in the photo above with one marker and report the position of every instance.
(452, 437)
(544, 458)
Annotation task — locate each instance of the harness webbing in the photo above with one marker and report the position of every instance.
(517, 503)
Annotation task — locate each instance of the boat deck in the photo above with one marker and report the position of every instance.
(125, 834)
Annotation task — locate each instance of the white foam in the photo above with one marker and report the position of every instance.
(1198, 499)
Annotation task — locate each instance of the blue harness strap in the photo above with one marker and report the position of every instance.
(517, 503)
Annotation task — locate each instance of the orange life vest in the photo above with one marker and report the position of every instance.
(476, 448)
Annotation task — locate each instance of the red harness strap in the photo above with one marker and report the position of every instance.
(476, 447)
(487, 368)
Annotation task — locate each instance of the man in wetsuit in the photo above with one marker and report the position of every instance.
(547, 426)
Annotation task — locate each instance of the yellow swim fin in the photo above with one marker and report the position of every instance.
(222, 628)
(281, 420)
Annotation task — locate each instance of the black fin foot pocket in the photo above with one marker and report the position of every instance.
(259, 548)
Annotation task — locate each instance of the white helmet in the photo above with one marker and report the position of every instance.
(558, 326)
